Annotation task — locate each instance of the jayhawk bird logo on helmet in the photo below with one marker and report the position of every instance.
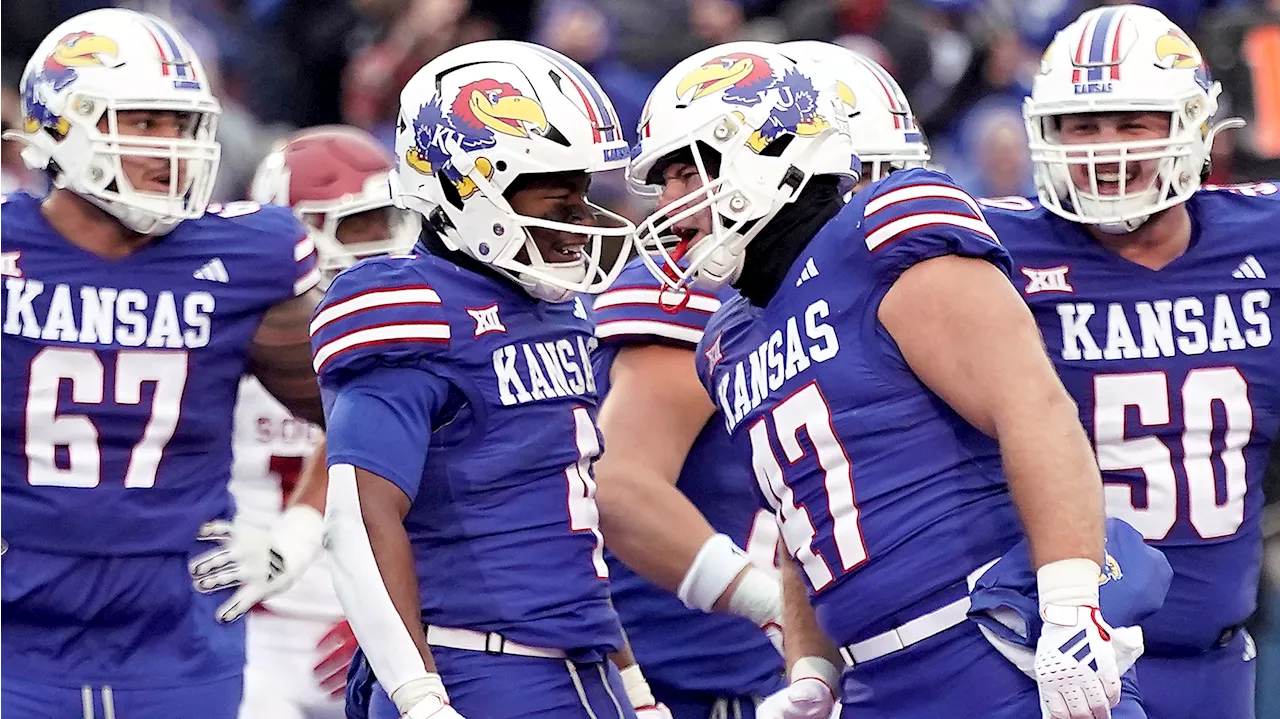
(76, 50)
(482, 110)
(746, 80)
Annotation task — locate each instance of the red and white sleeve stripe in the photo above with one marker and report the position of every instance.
(963, 211)
(380, 335)
(651, 296)
(393, 302)
(656, 328)
(304, 253)
(373, 299)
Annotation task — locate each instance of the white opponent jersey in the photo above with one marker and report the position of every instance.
(271, 446)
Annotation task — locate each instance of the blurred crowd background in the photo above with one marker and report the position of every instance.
(965, 65)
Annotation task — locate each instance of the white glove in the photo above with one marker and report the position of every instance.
(427, 699)
(809, 696)
(262, 564)
(1075, 662)
(641, 696)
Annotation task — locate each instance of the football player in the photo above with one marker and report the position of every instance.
(461, 404)
(336, 181)
(677, 507)
(131, 312)
(1155, 298)
(877, 369)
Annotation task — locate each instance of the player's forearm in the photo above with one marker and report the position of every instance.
(313, 483)
(375, 579)
(648, 523)
(802, 636)
(1053, 478)
(280, 357)
(657, 532)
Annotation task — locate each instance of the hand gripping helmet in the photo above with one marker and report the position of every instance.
(478, 117)
(1121, 59)
(87, 71)
(328, 175)
(884, 130)
(771, 125)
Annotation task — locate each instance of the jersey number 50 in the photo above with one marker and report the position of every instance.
(1203, 390)
(47, 430)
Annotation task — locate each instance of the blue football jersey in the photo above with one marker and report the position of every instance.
(121, 374)
(1177, 378)
(678, 647)
(885, 495)
(504, 525)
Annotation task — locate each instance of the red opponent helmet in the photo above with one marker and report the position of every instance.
(334, 178)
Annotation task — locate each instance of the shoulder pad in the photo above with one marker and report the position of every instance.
(379, 312)
(638, 309)
(280, 237)
(914, 215)
(710, 350)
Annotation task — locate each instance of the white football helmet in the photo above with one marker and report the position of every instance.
(885, 133)
(326, 175)
(101, 63)
(771, 124)
(478, 117)
(1124, 58)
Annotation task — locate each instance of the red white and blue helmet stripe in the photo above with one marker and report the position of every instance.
(172, 59)
(902, 119)
(1099, 47)
(604, 121)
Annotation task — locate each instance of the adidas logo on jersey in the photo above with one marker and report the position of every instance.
(1249, 269)
(212, 271)
(809, 272)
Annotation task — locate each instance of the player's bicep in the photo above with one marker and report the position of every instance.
(964, 331)
(655, 408)
(381, 422)
(280, 356)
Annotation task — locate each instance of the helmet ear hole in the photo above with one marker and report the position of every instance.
(776, 147)
(449, 191)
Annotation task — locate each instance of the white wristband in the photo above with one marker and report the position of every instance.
(757, 597)
(1068, 582)
(408, 695)
(816, 668)
(714, 568)
(638, 691)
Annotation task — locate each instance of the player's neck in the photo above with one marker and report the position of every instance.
(1160, 240)
(89, 227)
(769, 256)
